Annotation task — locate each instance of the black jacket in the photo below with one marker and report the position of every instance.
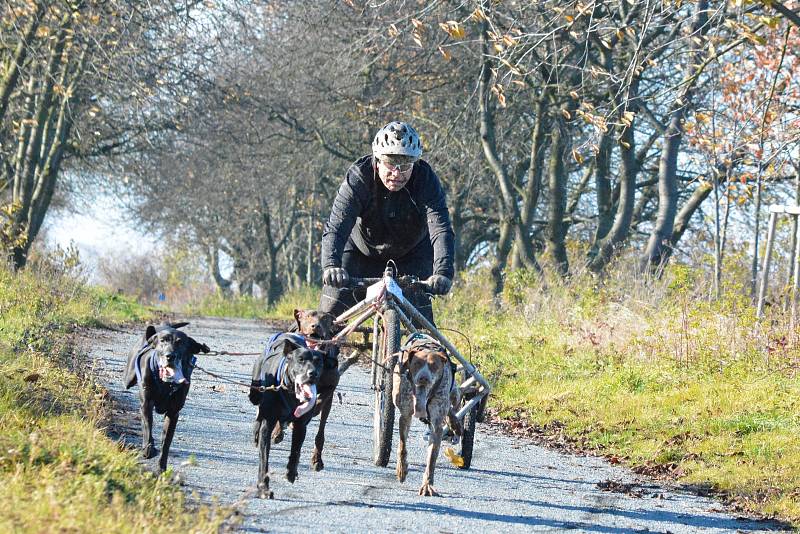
(388, 225)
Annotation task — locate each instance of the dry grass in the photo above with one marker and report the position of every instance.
(60, 472)
(654, 373)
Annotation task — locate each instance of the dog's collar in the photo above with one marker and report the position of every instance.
(152, 363)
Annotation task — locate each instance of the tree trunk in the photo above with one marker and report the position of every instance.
(9, 81)
(487, 136)
(657, 251)
(37, 165)
(687, 211)
(602, 182)
(501, 256)
(556, 226)
(533, 186)
(223, 284)
(625, 206)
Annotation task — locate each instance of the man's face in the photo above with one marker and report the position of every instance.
(394, 177)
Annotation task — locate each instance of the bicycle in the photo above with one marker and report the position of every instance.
(390, 310)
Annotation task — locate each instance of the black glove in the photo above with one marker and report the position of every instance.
(440, 285)
(335, 276)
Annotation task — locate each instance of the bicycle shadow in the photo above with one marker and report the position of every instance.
(642, 516)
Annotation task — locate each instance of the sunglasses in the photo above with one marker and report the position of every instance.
(404, 167)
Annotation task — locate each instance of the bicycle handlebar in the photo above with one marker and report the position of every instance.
(404, 281)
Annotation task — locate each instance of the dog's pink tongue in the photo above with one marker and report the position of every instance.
(310, 392)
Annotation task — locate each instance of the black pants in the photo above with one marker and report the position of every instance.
(418, 262)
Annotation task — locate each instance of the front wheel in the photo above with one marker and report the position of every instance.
(383, 414)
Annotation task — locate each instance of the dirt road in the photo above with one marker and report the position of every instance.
(514, 485)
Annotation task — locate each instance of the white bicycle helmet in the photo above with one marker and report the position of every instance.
(397, 139)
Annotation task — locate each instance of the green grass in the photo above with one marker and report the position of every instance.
(305, 297)
(656, 375)
(60, 473)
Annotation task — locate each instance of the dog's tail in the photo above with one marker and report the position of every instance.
(350, 360)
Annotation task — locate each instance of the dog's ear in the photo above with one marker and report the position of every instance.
(149, 332)
(402, 358)
(289, 345)
(298, 316)
(180, 324)
(197, 348)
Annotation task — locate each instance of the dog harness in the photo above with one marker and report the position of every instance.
(298, 339)
(284, 392)
(417, 341)
(138, 367)
(153, 365)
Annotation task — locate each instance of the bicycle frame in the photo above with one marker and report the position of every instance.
(387, 293)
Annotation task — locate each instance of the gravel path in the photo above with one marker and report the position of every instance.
(514, 485)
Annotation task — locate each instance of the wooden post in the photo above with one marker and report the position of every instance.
(773, 218)
(791, 273)
(796, 273)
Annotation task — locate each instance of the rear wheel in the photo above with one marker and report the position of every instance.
(383, 415)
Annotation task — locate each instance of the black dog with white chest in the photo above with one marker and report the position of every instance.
(162, 363)
(284, 387)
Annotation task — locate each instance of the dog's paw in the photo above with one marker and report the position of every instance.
(316, 461)
(149, 451)
(401, 471)
(277, 434)
(291, 475)
(264, 492)
(426, 490)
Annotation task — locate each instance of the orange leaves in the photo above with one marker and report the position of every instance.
(418, 32)
(478, 15)
(453, 28)
(627, 119)
(498, 91)
(508, 40)
(589, 117)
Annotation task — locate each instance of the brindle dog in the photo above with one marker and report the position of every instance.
(424, 387)
(316, 327)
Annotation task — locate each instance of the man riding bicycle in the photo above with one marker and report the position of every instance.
(391, 206)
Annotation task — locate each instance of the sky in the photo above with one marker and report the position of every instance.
(100, 231)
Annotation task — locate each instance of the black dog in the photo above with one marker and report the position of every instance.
(316, 328)
(284, 388)
(162, 363)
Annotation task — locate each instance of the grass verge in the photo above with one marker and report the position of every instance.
(60, 471)
(653, 375)
(305, 297)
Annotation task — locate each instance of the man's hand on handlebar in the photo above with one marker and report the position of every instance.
(435, 284)
(438, 284)
(336, 277)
